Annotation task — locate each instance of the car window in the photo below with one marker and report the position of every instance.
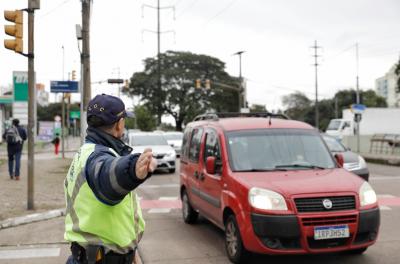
(334, 125)
(185, 144)
(173, 136)
(273, 149)
(334, 145)
(147, 140)
(194, 149)
(212, 148)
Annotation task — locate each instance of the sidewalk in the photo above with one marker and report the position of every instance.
(382, 158)
(49, 175)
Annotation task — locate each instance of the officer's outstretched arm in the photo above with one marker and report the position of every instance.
(112, 178)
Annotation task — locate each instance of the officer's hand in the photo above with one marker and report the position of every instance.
(145, 164)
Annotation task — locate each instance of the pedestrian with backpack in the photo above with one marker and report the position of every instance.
(15, 137)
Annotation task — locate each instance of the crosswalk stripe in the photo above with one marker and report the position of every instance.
(385, 208)
(159, 211)
(173, 198)
(29, 253)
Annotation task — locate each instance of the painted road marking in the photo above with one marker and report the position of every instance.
(170, 198)
(384, 208)
(29, 253)
(159, 211)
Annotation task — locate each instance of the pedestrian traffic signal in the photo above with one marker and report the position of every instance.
(15, 31)
(73, 75)
(208, 84)
(126, 86)
(198, 84)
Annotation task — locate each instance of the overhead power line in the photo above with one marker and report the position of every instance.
(224, 9)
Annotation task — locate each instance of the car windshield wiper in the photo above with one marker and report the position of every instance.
(296, 165)
(258, 170)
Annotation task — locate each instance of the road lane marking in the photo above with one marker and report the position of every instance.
(29, 253)
(168, 198)
(384, 208)
(159, 211)
(385, 196)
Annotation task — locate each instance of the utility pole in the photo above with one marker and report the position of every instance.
(85, 61)
(316, 47)
(241, 99)
(63, 113)
(357, 100)
(32, 5)
(158, 32)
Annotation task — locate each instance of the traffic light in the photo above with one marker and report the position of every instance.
(15, 31)
(198, 84)
(73, 75)
(208, 84)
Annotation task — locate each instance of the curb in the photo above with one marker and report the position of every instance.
(31, 218)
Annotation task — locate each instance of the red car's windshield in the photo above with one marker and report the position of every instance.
(273, 149)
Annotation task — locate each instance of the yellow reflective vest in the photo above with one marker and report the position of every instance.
(89, 221)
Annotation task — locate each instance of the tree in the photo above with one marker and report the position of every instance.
(300, 107)
(47, 113)
(145, 120)
(297, 105)
(369, 98)
(257, 108)
(178, 96)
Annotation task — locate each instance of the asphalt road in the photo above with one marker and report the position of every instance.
(168, 239)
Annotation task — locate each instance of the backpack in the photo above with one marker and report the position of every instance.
(12, 135)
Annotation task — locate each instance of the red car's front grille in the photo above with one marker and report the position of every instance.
(329, 220)
(316, 204)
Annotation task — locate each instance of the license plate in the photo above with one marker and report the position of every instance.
(329, 232)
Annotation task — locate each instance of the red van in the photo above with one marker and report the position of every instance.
(273, 186)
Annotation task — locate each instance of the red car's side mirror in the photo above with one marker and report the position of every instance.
(210, 165)
(339, 159)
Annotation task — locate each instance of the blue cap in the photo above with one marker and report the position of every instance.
(108, 108)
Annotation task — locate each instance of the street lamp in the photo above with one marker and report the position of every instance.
(241, 101)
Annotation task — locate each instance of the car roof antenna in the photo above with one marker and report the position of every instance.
(269, 120)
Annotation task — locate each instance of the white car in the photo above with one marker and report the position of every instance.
(175, 140)
(164, 153)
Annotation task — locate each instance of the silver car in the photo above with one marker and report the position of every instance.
(175, 140)
(353, 162)
(164, 153)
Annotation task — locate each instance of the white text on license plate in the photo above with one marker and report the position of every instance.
(328, 232)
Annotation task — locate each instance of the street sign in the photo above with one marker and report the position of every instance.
(358, 108)
(64, 86)
(115, 81)
(20, 83)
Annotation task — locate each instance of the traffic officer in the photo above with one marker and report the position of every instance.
(103, 220)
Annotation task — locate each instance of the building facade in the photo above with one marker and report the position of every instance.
(385, 86)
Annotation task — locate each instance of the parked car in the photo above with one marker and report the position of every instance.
(164, 153)
(174, 139)
(274, 188)
(353, 162)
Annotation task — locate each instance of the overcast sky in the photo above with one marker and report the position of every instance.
(276, 35)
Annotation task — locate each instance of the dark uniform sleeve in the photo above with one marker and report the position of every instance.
(111, 177)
